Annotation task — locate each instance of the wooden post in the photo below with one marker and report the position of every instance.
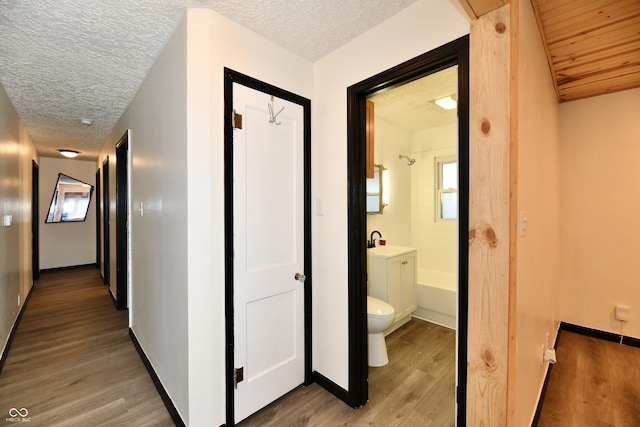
(489, 219)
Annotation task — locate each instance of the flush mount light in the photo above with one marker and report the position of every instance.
(446, 103)
(69, 153)
(86, 122)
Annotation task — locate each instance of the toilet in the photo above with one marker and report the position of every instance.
(379, 317)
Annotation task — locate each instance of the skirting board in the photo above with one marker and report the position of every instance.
(5, 352)
(331, 387)
(69, 267)
(175, 416)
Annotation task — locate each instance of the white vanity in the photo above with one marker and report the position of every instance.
(392, 277)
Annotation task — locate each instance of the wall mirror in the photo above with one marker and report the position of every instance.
(376, 191)
(70, 200)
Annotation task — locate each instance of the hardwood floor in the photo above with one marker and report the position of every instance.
(416, 388)
(72, 363)
(594, 383)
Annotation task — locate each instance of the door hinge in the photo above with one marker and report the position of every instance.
(237, 120)
(238, 376)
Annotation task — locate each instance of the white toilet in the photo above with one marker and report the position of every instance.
(379, 317)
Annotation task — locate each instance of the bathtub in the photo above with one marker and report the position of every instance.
(437, 297)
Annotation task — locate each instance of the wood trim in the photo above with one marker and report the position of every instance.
(455, 52)
(230, 77)
(168, 403)
(489, 219)
(478, 8)
(14, 328)
(514, 33)
(370, 132)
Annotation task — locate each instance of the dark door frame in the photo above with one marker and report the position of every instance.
(98, 241)
(122, 219)
(35, 219)
(106, 255)
(231, 77)
(450, 54)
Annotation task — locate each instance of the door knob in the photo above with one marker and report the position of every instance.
(300, 277)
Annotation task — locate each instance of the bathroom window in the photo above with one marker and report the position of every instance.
(446, 188)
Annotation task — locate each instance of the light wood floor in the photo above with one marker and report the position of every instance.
(416, 388)
(594, 383)
(72, 362)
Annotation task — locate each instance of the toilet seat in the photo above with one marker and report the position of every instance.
(378, 309)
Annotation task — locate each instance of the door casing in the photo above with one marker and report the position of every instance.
(450, 54)
(106, 253)
(122, 218)
(230, 77)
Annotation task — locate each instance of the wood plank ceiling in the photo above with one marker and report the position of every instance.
(593, 46)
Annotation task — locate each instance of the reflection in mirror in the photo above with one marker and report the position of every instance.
(70, 200)
(376, 191)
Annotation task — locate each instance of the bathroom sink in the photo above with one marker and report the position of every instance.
(389, 251)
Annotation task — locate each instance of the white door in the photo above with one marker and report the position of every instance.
(269, 248)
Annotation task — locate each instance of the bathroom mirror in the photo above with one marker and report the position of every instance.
(70, 200)
(375, 190)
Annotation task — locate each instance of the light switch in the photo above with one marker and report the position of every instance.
(320, 206)
(7, 220)
(523, 224)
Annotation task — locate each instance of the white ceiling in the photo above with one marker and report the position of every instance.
(63, 60)
(408, 106)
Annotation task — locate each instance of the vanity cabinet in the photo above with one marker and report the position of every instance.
(392, 278)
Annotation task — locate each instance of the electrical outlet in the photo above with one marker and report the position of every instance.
(622, 312)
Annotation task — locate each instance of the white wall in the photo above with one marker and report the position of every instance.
(72, 243)
(420, 28)
(158, 258)
(600, 148)
(395, 221)
(538, 196)
(436, 241)
(16, 154)
(176, 145)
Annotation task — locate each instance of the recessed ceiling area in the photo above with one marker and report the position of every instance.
(62, 61)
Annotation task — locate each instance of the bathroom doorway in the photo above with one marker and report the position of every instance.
(417, 157)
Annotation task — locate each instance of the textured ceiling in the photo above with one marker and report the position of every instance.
(63, 60)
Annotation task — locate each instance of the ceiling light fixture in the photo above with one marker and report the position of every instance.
(86, 122)
(69, 153)
(446, 103)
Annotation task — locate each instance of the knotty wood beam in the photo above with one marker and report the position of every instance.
(489, 219)
(478, 8)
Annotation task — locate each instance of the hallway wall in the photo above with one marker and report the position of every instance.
(16, 154)
(177, 254)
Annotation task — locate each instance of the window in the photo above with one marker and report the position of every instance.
(446, 188)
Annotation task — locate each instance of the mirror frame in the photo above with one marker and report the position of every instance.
(53, 204)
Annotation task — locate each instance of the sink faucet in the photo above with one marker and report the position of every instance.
(372, 243)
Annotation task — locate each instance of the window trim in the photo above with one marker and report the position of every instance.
(438, 190)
